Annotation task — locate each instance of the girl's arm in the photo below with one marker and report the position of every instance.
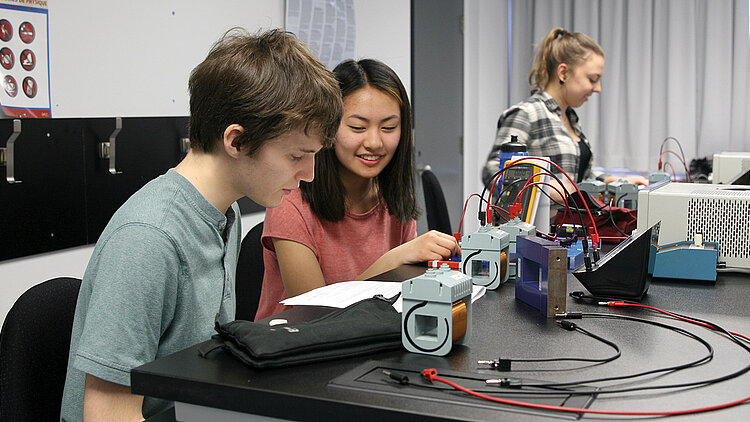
(300, 270)
(427, 247)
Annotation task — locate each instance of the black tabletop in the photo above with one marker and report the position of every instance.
(355, 389)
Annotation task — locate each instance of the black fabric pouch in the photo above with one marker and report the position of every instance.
(368, 326)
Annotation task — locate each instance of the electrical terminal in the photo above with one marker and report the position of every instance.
(515, 210)
(566, 324)
(569, 315)
(596, 254)
(587, 261)
(499, 364)
(401, 378)
(504, 382)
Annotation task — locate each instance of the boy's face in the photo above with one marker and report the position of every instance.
(277, 168)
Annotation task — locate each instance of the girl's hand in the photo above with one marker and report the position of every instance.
(427, 247)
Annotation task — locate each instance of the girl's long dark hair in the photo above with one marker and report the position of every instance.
(395, 183)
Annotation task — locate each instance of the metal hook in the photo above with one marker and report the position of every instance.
(184, 145)
(109, 149)
(422, 167)
(7, 155)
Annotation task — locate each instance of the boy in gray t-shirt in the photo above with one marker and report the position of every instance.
(261, 106)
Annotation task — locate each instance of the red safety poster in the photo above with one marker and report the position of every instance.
(24, 58)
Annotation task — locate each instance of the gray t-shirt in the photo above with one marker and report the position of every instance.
(162, 270)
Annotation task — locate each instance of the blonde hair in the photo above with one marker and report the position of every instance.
(560, 46)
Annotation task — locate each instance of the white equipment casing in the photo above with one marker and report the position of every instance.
(728, 165)
(721, 213)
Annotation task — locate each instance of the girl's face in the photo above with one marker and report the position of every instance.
(583, 81)
(369, 132)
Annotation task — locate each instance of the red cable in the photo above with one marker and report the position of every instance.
(431, 375)
(542, 172)
(492, 189)
(499, 208)
(681, 318)
(565, 198)
(595, 242)
(594, 239)
(687, 172)
(674, 174)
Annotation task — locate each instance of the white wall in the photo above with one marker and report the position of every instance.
(133, 59)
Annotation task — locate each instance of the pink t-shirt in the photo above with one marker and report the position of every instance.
(345, 249)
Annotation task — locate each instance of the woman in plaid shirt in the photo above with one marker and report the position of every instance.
(567, 70)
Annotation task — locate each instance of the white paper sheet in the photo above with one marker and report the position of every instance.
(341, 295)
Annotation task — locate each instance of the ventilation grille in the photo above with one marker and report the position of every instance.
(739, 192)
(725, 221)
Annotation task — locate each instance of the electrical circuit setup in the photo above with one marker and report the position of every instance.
(436, 311)
(536, 180)
(575, 253)
(621, 276)
(513, 183)
(542, 278)
(524, 393)
(535, 389)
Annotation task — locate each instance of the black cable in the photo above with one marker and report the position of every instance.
(661, 148)
(503, 364)
(517, 387)
(556, 235)
(569, 197)
(497, 201)
(673, 368)
(682, 153)
(582, 297)
(500, 194)
(526, 163)
(612, 219)
(567, 194)
(739, 341)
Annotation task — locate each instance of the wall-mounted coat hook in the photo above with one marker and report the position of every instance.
(422, 167)
(109, 149)
(184, 145)
(7, 154)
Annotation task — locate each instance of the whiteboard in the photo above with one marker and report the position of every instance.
(133, 59)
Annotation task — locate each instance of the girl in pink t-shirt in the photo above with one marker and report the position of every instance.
(356, 219)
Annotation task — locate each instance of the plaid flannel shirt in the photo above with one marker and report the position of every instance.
(537, 123)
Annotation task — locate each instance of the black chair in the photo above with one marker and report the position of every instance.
(249, 276)
(34, 345)
(434, 203)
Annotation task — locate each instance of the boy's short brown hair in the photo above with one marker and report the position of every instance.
(268, 83)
